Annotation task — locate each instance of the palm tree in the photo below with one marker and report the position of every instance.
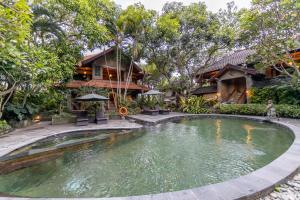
(45, 28)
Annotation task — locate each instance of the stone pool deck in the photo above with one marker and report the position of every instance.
(251, 186)
(156, 119)
(26, 136)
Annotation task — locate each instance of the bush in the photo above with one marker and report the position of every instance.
(195, 105)
(242, 109)
(131, 105)
(4, 126)
(19, 112)
(285, 94)
(289, 111)
(49, 101)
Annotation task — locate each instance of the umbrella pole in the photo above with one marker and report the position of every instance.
(95, 120)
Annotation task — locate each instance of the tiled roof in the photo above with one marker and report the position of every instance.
(92, 57)
(234, 67)
(237, 58)
(104, 84)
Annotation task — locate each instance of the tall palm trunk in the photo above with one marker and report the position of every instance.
(130, 72)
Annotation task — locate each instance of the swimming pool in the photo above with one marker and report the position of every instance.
(163, 158)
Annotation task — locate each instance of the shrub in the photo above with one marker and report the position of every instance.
(285, 94)
(131, 105)
(289, 111)
(4, 126)
(242, 109)
(195, 105)
(134, 111)
(24, 106)
(261, 96)
(19, 112)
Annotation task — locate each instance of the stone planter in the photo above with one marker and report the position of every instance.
(164, 112)
(151, 112)
(63, 120)
(115, 117)
(4, 132)
(22, 124)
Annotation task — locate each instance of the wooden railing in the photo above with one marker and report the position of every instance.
(235, 96)
(229, 97)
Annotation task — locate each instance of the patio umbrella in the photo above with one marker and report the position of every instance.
(153, 93)
(92, 97)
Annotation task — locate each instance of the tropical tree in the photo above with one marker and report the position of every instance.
(44, 42)
(158, 45)
(185, 40)
(272, 28)
(15, 17)
(133, 22)
(202, 39)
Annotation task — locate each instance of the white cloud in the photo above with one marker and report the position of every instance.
(213, 5)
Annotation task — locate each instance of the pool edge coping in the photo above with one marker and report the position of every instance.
(251, 186)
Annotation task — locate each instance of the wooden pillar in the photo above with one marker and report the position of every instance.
(69, 102)
(220, 88)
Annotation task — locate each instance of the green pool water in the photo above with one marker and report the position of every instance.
(163, 158)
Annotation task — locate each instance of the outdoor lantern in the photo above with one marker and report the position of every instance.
(248, 92)
(37, 118)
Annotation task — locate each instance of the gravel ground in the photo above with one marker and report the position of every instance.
(288, 191)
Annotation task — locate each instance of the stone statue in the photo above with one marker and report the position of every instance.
(271, 111)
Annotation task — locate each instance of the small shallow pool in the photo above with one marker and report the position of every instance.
(162, 158)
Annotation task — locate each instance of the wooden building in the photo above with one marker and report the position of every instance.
(230, 79)
(100, 71)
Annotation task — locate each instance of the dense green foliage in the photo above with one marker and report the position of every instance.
(285, 94)
(289, 111)
(150, 102)
(272, 29)
(40, 44)
(36, 103)
(131, 105)
(183, 40)
(42, 40)
(4, 126)
(241, 109)
(196, 105)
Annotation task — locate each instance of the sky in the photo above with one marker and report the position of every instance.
(213, 5)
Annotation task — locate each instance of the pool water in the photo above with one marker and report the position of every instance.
(162, 158)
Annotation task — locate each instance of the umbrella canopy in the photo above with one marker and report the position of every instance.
(92, 97)
(153, 92)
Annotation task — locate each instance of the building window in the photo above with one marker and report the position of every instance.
(97, 71)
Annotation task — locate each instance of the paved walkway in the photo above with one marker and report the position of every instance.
(26, 136)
